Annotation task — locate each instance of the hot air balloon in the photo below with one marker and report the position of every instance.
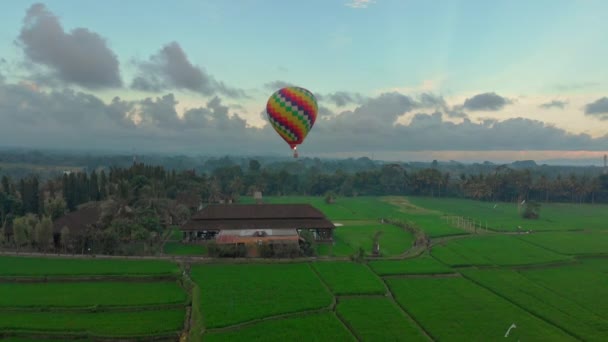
(292, 112)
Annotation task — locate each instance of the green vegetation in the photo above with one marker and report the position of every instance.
(454, 309)
(570, 242)
(178, 248)
(493, 250)
(506, 216)
(83, 294)
(235, 293)
(25, 266)
(393, 240)
(431, 222)
(551, 306)
(104, 323)
(585, 284)
(378, 319)
(318, 327)
(420, 265)
(345, 278)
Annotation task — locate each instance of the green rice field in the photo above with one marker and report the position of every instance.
(500, 250)
(378, 319)
(455, 309)
(26, 266)
(233, 294)
(345, 278)
(420, 265)
(86, 294)
(462, 286)
(317, 327)
(97, 324)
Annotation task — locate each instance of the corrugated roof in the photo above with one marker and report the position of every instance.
(258, 211)
(258, 216)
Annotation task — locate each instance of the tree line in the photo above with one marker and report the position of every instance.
(138, 202)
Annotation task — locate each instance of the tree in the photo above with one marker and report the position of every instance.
(103, 186)
(6, 185)
(22, 231)
(55, 208)
(254, 166)
(44, 234)
(94, 187)
(65, 238)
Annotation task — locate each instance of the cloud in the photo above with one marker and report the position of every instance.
(598, 108)
(32, 117)
(486, 101)
(78, 57)
(342, 98)
(554, 104)
(276, 85)
(170, 68)
(359, 3)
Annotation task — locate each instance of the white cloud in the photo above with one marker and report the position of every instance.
(359, 3)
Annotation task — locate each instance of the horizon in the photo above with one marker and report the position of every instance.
(470, 81)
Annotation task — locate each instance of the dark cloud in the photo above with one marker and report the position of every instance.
(77, 120)
(486, 101)
(554, 104)
(170, 68)
(276, 85)
(598, 108)
(343, 98)
(79, 57)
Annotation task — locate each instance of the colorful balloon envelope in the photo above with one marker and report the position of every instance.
(292, 112)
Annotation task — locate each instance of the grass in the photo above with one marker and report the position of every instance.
(585, 284)
(393, 240)
(505, 216)
(429, 221)
(84, 294)
(177, 248)
(236, 293)
(420, 265)
(105, 323)
(26, 266)
(570, 242)
(347, 278)
(454, 309)
(551, 306)
(318, 327)
(378, 319)
(493, 250)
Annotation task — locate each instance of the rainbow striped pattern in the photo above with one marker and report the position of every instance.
(292, 112)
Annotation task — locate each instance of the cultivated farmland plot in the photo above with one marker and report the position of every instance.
(573, 243)
(544, 302)
(97, 324)
(505, 216)
(454, 309)
(33, 267)
(420, 265)
(317, 327)
(232, 294)
(347, 278)
(494, 250)
(88, 294)
(378, 319)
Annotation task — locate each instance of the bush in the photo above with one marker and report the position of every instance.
(531, 210)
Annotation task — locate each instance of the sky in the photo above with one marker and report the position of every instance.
(400, 79)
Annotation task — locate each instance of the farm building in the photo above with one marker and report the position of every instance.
(257, 224)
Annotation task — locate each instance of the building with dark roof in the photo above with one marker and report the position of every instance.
(257, 224)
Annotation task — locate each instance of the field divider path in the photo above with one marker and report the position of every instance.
(422, 275)
(562, 329)
(407, 315)
(238, 326)
(334, 304)
(92, 278)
